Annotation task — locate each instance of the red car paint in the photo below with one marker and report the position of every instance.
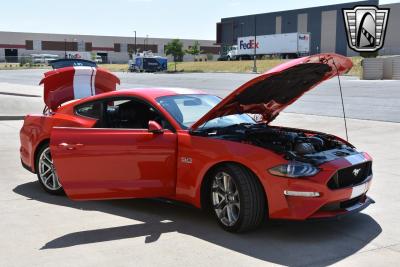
(230, 104)
(98, 163)
(65, 84)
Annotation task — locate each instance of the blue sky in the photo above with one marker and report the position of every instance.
(157, 18)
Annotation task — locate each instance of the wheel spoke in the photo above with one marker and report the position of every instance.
(46, 163)
(223, 213)
(226, 183)
(44, 173)
(219, 183)
(47, 178)
(218, 190)
(46, 156)
(220, 205)
(229, 212)
(218, 195)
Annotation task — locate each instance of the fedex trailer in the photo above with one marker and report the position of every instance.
(287, 45)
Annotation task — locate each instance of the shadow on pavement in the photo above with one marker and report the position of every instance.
(286, 243)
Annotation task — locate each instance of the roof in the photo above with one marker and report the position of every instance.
(159, 91)
(146, 93)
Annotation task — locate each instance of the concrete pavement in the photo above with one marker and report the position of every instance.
(43, 230)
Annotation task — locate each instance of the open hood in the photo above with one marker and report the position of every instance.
(68, 83)
(271, 92)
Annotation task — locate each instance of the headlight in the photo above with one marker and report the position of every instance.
(294, 169)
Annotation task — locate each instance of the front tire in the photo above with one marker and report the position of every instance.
(237, 198)
(46, 171)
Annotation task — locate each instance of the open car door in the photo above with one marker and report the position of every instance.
(114, 163)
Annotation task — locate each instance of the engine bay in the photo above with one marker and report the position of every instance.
(294, 144)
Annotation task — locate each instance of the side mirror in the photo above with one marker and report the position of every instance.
(154, 127)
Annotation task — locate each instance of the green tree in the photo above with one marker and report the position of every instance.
(175, 49)
(194, 50)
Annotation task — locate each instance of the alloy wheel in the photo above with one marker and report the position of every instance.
(47, 171)
(225, 199)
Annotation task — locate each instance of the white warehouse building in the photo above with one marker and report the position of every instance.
(112, 49)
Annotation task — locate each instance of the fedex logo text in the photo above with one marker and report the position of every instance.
(248, 45)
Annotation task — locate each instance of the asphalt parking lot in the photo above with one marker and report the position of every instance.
(43, 230)
(368, 100)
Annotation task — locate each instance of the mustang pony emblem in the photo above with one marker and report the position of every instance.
(356, 172)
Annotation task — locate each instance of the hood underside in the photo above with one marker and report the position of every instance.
(271, 92)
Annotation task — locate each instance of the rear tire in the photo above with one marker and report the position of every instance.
(237, 198)
(46, 171)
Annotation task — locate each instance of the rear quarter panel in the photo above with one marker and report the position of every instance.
(37, 129)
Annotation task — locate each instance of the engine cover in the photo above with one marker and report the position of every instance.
(304, 148)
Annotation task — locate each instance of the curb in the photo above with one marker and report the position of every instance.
(11, 118)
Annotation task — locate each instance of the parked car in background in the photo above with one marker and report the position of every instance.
(71, 62)
(98, 59)
(43, 58)
(147, 62)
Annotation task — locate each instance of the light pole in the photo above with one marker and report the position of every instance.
(255, 45)
(135, 43)
(65, 48)
(146, 41)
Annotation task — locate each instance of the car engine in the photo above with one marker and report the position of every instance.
(307, 146)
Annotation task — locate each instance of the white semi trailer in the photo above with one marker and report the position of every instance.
(284, 45)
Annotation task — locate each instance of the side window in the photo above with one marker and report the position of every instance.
(90, 110)
(131, 114)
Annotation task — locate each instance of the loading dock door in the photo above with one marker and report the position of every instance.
(11, 55)
(104, 57)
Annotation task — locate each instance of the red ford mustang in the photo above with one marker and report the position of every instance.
(93, 142)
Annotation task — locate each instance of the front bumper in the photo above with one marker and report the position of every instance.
(358, 206)
(312, 198)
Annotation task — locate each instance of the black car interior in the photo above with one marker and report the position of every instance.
(124, 113)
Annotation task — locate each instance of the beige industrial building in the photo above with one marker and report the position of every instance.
(111, 49)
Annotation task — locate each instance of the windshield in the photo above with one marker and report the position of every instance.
(187, 109)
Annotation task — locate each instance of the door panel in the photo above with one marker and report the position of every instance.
(114, 163)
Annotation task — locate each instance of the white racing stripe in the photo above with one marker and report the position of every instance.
(356, 159)
(93, 81)
(83, 84)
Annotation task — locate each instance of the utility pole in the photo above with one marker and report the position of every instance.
(255, 45)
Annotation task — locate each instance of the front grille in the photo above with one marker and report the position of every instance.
(351, 176)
